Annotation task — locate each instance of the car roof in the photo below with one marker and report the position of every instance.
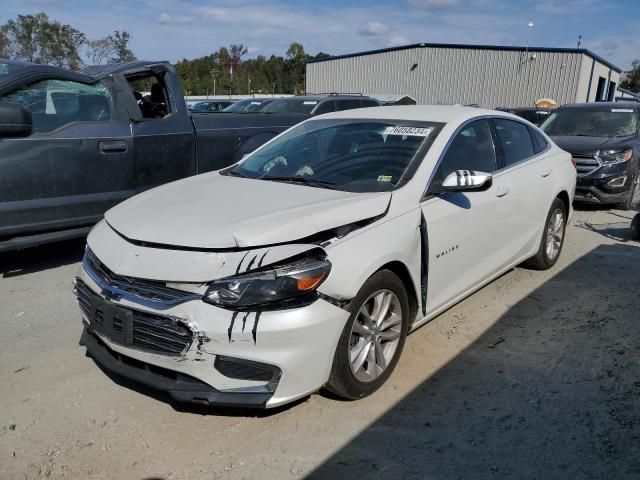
(422, 113)
(320, 98)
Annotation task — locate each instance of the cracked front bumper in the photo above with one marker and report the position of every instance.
(297, 343)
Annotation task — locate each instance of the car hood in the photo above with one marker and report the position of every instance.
(213, 211)
(589, 146)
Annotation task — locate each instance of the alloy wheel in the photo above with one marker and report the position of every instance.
(555, 234)
(375, 335)
(635, 192)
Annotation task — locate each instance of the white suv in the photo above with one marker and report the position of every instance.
(306, 264)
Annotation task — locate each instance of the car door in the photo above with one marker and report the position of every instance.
(76, 164)
(163, 134)
(526, 172)
(464, 229)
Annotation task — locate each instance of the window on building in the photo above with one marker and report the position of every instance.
(600, 90)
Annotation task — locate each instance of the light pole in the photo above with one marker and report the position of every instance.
(214, 72)
(248, 85)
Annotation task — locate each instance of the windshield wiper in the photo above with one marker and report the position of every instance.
(305, 181)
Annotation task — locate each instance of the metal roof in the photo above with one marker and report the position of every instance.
(473, 47)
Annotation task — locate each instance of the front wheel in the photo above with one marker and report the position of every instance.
(635, 227)
(633, 198)
(372, 339)
(552, 238)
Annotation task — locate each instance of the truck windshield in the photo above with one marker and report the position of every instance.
(596, 122)
(292, 105)
(351, 155)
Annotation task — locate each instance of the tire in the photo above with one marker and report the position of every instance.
(385, 344)
(633, 198)
(635, 227)
(547, 257)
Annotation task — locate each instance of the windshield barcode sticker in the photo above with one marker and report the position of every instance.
(622, 110)
(411, 131)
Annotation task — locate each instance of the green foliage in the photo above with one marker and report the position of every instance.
(632, 80)
(260, 75)
(37, 39)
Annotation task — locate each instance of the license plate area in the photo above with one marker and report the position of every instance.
(113, 322)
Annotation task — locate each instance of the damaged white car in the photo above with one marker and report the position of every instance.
(306, 264)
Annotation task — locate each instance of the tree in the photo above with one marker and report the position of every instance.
(632, 80)
(36, 39)
(98, 51)
(296, 63)
(120, 44)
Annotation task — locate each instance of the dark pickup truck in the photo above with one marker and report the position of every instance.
(74, 144)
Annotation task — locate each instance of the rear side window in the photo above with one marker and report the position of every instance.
(368, 103)
(514, 140)
(347, 104)
(55, 103)
(325, 107)
(540, 143)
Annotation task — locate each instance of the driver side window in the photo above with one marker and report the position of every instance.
(471, 149)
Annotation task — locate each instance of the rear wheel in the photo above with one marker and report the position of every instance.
(552, 238)
(372, 339)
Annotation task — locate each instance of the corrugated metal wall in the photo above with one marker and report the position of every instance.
(489, 78)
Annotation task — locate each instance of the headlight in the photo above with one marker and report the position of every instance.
(289, 284)
(611, 157)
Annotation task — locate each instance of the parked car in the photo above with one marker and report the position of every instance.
(306, 264)
(319, 104)
(249, 105)
(205, 106)
(535, 115)
(74, 144)
(604, 139)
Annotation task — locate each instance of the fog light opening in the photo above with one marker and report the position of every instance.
(617, 182)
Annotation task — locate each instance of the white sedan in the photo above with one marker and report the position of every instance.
(306, 264)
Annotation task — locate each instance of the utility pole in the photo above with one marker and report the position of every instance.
(214, 72)
(248, 85)
(273, 86)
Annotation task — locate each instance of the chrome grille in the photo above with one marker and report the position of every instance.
(146, 292)
(134, 328)
(586, 165)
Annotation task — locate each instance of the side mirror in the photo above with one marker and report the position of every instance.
(15, 120)
(467, 181)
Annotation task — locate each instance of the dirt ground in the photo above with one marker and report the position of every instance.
(535, 376)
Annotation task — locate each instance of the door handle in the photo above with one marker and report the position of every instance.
(112, 147)
(546, 173)
(502, 191)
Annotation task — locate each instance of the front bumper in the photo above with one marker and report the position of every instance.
(595, 187)
(298, 344)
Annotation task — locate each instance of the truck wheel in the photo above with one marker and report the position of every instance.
(635, 227)
(552, 238)
(634, 195)
(372, 339)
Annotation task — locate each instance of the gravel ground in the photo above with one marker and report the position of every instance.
(535, 376)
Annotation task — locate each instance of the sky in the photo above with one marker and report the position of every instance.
(177, 29)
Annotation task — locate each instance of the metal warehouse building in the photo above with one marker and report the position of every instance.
(486, 75)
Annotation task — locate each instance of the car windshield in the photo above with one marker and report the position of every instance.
(246, 106)
(290, 105)
(199, 107)
(351, 155)
(596, 122)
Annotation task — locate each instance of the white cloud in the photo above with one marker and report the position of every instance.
(398, 40)
(373, 29)
(166, 19)
(433, 4)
